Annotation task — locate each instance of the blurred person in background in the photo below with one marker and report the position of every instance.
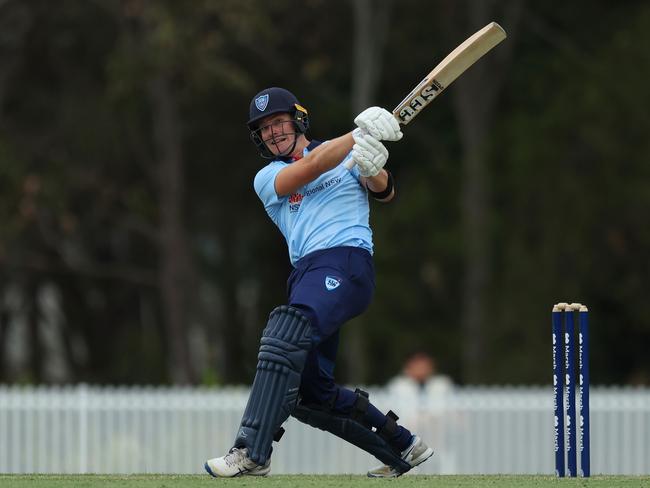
(421, 393)
(420, 379)
(317, 195)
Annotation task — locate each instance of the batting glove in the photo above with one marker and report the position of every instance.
(379, 123)
(368, 153)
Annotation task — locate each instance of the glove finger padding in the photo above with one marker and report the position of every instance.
(370, 119)
(379, 123)
(369, 154)
(365, 121)
(372, 145)
(384, 126)
(394, 127)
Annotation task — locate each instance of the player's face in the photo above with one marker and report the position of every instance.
(278, 133)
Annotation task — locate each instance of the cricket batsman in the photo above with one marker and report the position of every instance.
(321, 208)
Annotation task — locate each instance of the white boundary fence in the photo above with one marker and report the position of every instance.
(173, 430)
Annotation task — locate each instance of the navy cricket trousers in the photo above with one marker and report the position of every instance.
(330, 287)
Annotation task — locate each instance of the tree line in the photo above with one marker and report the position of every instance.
(134, 250)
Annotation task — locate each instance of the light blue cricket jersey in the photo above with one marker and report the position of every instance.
(330, 211)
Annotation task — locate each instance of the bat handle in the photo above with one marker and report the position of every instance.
(350, 164)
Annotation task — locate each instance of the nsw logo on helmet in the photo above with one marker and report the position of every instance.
(261, 102)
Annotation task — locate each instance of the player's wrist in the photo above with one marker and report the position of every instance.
(375, 185)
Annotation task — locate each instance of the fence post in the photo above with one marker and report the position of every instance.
(82, 391)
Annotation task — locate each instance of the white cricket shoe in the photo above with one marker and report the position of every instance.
(236, 463)
(416, 453)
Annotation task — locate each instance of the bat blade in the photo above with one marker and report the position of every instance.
(450, 68)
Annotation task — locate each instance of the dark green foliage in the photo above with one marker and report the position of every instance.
(80, 194)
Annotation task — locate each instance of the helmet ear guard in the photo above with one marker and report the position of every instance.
(301, 118)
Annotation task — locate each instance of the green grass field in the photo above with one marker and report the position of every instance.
(301, 481)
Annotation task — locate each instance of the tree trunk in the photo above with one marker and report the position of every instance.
(235, 369)
(174, 250)
(15, 20)
(371, 19)
(5, 316)
(32, 313)
(474, 101)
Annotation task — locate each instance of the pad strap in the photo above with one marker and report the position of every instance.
(360, 407)
(346, 428)
(390, 428)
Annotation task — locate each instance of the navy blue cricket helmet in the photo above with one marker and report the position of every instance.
(271, 101)
(276, 100)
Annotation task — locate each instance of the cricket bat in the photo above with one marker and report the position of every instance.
(450, 68)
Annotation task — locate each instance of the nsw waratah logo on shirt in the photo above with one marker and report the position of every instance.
(295, 199)
(332, 282)
(261, 102)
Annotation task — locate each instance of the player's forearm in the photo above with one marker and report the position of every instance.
(328, 156)
(379, 184)
(322, 159)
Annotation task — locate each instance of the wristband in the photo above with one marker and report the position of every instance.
(380, 195)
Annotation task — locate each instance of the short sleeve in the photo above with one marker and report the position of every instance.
(264, 184)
